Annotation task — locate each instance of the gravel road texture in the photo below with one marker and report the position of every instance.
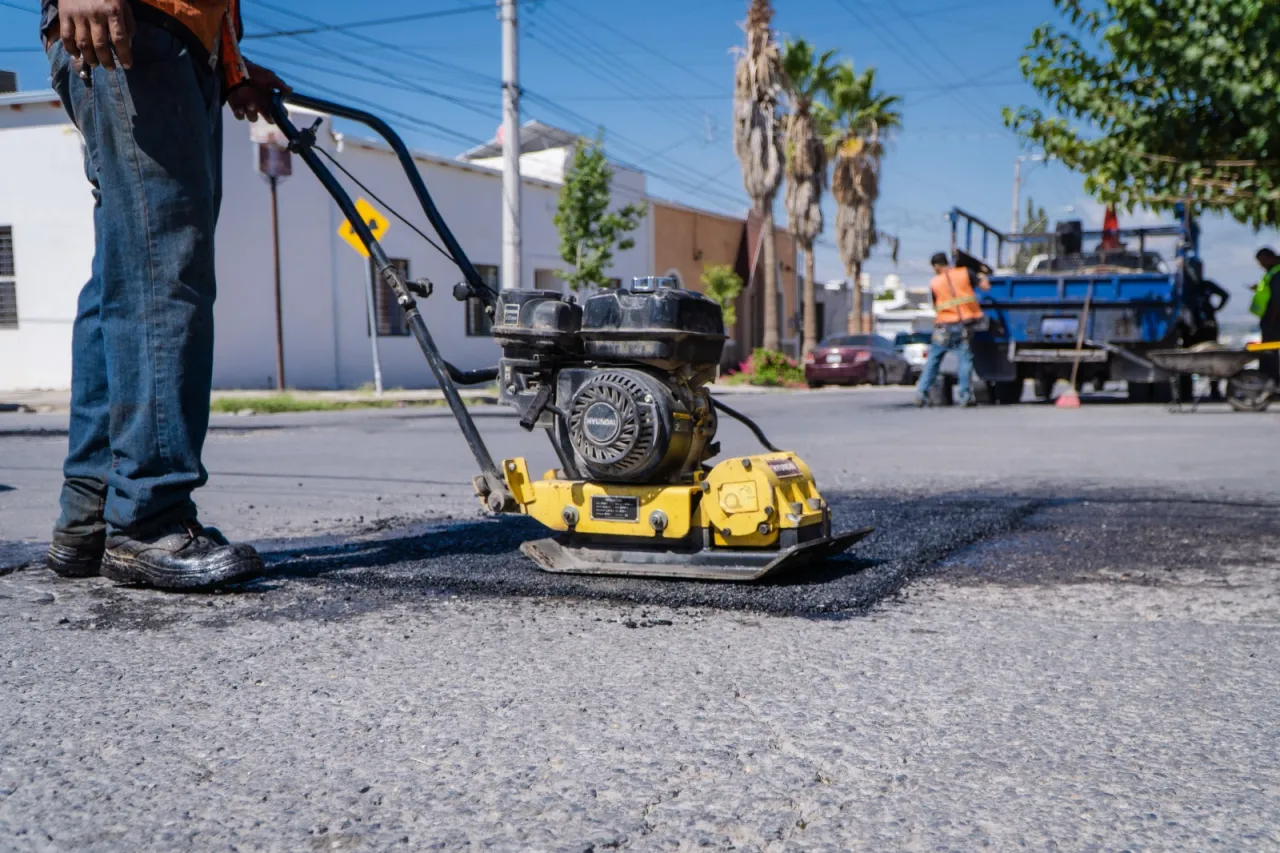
(1061, 636)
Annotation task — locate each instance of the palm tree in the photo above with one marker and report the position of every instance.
(859, 114)
(806, 78)
(757, 84)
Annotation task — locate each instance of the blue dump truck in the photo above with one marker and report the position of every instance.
(1100, 298)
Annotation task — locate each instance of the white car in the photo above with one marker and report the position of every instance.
(914, 347)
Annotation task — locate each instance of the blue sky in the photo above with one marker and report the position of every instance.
(657, 77)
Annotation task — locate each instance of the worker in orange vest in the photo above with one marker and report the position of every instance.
(958, 312)
(145, 82)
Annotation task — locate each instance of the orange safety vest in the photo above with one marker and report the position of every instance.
(216, 23)
(953, 297)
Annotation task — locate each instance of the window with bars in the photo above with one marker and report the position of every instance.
(479, 323)
(390, 316)
(8, 282)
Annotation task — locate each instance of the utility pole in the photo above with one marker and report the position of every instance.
(512, 246)
(1017, 185)
(275, 256)
(371, 306)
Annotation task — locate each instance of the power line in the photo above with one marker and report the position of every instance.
(901, 49)
(630, 38)
(491, 82)
(382, 110)
(976, 83)
(9, 5)
(929, 40)
(376, 22)
(385, 79)
(684, 177)
(589, 56)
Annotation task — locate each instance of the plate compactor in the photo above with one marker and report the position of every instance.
(619, 384)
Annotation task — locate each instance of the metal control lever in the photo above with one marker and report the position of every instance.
(302, 142)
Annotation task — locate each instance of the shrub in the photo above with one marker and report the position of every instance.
(771, 369)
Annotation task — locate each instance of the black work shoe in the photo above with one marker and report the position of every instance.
(76, 557)
(181, 557)
(921, 402)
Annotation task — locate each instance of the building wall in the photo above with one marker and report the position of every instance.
(686, 241)
(44, 196)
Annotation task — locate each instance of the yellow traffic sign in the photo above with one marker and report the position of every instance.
(378, 224)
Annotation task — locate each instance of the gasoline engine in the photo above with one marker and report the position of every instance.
(619, 384)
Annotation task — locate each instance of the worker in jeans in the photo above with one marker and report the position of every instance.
(957, 310)
(145, 83)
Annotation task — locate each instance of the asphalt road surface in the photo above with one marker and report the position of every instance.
(1062, 635)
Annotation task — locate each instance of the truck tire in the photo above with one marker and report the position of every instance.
(1150, 392)
(1141, 392)
(1044, 388)
(1007, 393)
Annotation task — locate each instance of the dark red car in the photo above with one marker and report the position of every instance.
(856, 360)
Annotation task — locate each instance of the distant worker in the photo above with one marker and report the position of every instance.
(1203, 299)
(957, 310)
(1267, 309)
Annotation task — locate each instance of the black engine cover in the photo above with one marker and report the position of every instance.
(662, 326)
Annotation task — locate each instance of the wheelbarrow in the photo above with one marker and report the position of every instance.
(1247, 390)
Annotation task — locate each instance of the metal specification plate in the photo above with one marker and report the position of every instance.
(511, 315)
(610, 508)
(785, 468)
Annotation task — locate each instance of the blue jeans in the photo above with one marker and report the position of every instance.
(142, 343)
(949, 338)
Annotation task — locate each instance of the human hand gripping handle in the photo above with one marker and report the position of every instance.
(251, 100)
(98, 32)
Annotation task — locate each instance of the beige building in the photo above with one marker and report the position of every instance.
(687, 240)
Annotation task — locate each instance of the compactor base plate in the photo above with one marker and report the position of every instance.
(713, 564)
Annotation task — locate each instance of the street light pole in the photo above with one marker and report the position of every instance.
(512, 247)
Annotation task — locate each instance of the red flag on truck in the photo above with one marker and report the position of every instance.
(1111, 230)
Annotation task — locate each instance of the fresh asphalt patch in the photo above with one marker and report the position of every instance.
(962, 539)
(1121, 539)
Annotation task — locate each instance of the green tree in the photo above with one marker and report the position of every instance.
(806, 78)
(589, 231)
(859, 114)
(1159, 101)
(757, 144)
(1037, 222)
(723, 286)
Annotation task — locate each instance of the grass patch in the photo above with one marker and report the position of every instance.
(275, 404)
(280, 403)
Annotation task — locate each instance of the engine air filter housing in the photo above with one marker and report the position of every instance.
(626, 426)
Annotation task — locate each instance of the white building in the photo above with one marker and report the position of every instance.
(898, 309)
(46, 229)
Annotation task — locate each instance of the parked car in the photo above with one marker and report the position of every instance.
(855, 360)
(914, 347)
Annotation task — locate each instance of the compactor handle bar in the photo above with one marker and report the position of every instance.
(477, 285)
(303, 143)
